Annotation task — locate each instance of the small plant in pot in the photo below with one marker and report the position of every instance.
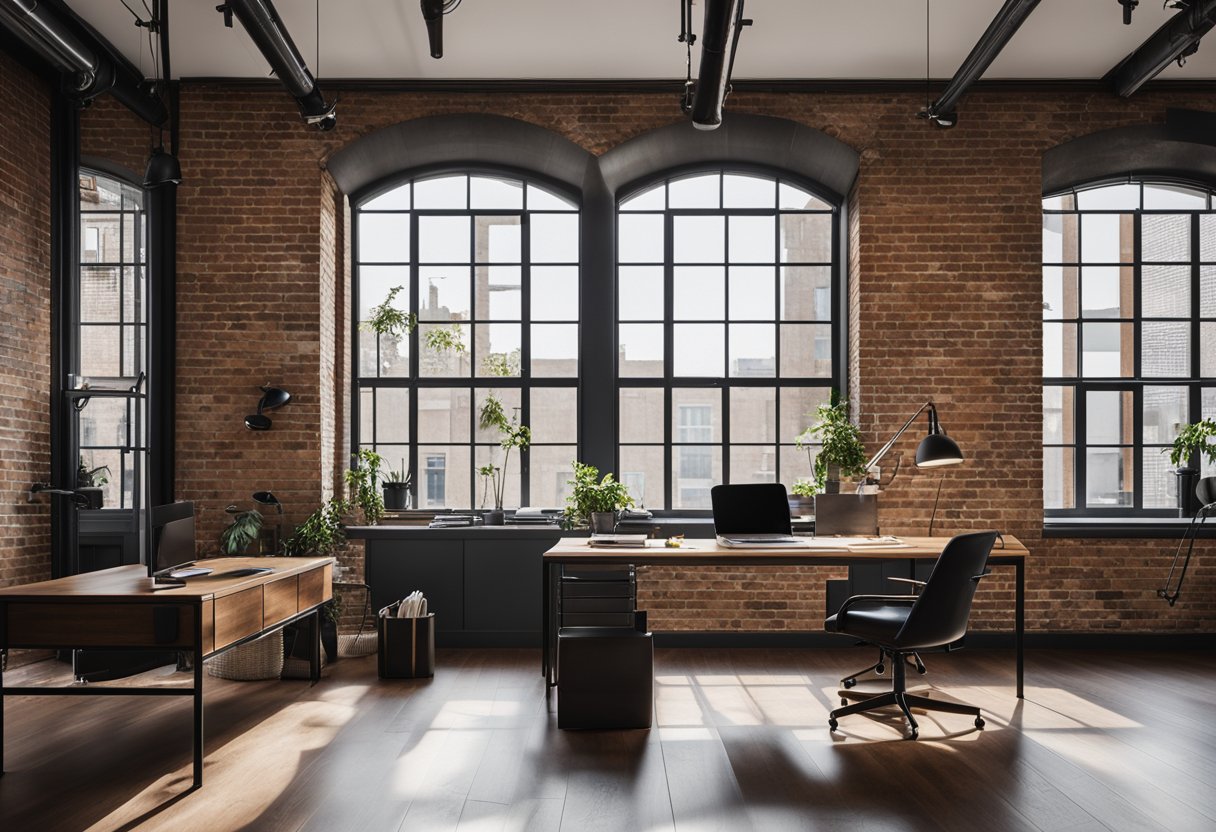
(841, 452)
(396, 487)
(321, 534)
(362, 478)
(511, 435)
(1195, 437)
(242, 531)
(595, 501)
(91, 483)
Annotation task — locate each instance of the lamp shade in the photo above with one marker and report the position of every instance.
(275, 397)
(936, 450)
(163, 169)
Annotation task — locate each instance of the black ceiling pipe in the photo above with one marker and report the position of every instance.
(1178, 38)
(999, 32)
(266, 30)
(717, 44)
(432, 13)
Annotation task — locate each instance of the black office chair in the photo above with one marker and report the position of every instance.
(903, 624)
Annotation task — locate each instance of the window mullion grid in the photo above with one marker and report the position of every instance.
(415, 342)
(668, 347)
(724, 439)
(473, 329)
(525, 348)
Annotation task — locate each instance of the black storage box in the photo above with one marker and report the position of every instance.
(605, 678)
(406, 645)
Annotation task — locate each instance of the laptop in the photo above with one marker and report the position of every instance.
(753, 515)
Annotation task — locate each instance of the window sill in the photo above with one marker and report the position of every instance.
(1127, 527)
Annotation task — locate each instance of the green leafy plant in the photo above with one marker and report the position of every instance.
(504, 364)
(445, 339)
(322, 532)
(388, 320)
(803, 487)
(398, 476)
(512, 434)
(363, 478)
(87, 477)
(243, 530)
(592, 494)
(1196, 436)
(840, 442)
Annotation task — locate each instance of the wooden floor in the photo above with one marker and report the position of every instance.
(1103, 740)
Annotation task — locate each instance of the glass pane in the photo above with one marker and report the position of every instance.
(554, 414)
(392, 416)
(496, 349)
(1207, 349)
(798, 408)
(394, 356)
(651, 199)
(1058, 414)
(641, 293)
(753, 352)
(1165, 291)
(396, 459)
(497, 239)
(367, 413)
(555, 350)
(445, 192)
(540, 199)
(793, 198)
(498, 292)
(1207, 238)
(698, 350)
(806, 238)
(1059, 292)
(699, 293)
(135, 294)
(443, 293)
(1110, 481)
(113, 495)
(1059, 350)
(444, 350)
(699, 191)
(753, 463)
(99, 241)
(98, 191)
(740, 191)
(1165, 349)
(696, 415)
(554, 238)
(1160, 483)
(1107, 350)
(1207, 411)
(493, 192)
(806, 351)
(375, 282)
(640, 238)
(753, 291)
(394, 199)
(640, 350)
(367, 354)
(1060, 238)
(549, 473)
(443, 414)
(797, 465)
(699, 239)
(641, 470)
(555, 293)
(384, 238)
(1107, 238)
(1165, 413)
(641, 414)
(1124, 197)
(444, 480)
(752, 239)
(1106, 292)
(1109, 417)
(509, 397)
(103, 422)
(132, 349)
(1165, 237)
(509, 466)
(1059, 469)
(753, 414)
(806, 293)
(695, 470)
(1207, 291)
(99, 351)
(99, 292)
(1174, 196)
(444, 239)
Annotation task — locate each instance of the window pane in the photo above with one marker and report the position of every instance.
(1110, 482)
(510, 473)
(753, 415)
(1059, 350)
(554, 414)
(651, 199)
(1106, 292)
(497, 349)
(806, 238)
(752, 239)
(640, 238)
(1207, 291)
(753, 292)
(555, 350)
(549, 473)
(1060, 236)
(443, 414)
(641, 293)
(698, 350)
(392, 416)
(103, 422)
(1165, 412)
(540, 199)
(394, 359)
(1124, 197)
(640, 350)
(510, 398)
(695, 470)
(1107, 350)
(1059, 292)
(367, 413)
(99, 351)
(494, 192)
(99, 292)
(1165, 349)
(384, 238)
(798, 408)
(698, 239)
(1058, 473)
(554, 238)
(740, 191)
(443, 293)
(1160, 483)
(394, 199)
(1174, 196)
(806, 351)
(444, 192)
(699, 293)
(445, 480)
(806, 293)
(444, 239)
(375, 282)
(1165, 237)
(1058, 415)
(753, 351)
(1107, 238)
(699, 191)
(1207, 238)
(1165, 291)
(444, 350)
(641, 470)
(1207, 411)
(641, 414)
(555, 293)
(753, 463)
(1207, 349)
(696, 414)
(498, 292)
(796, 199)
(497, 239)
(797, 464)
(1109, 417)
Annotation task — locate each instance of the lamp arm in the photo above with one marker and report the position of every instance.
(891, 442)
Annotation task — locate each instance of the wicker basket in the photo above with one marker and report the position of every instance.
(260, 659)
(351, 645)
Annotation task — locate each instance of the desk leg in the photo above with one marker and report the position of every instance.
(3, 662)
(314, 643)
(198, 699)
(1019, 616)
(544, 621)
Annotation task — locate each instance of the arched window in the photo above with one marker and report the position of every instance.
(728, 331)
(487, 265)
(1129, 342)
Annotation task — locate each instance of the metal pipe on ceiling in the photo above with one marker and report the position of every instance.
(267, 32)
(432, 13)
(999, 32)
(1177, 38)
(718, 39)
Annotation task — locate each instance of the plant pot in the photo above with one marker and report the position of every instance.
(495, 517)
(1187, 500)
(396, 496)
(801, 506)
(95, 495)
(603, 522)
(329, 638)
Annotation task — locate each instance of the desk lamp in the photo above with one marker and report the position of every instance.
(272, 398)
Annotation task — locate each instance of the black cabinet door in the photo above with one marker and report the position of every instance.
(396, 568)
(503, 585)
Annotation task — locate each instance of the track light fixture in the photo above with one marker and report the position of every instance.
(433, 12)
(1128, 6)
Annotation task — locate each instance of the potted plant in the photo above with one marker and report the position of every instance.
(89, 482)
(595, 501)
(321, 533)
(243, 530)
(362, 479)
(841, 452)
(1196, 436)
(397, 489)
(511, 435)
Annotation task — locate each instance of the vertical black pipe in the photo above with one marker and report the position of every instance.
(597, 369)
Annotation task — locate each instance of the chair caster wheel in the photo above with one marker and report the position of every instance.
(832, 724)
(880, 670)
(979, 722)
(848, 683)
(843, 701)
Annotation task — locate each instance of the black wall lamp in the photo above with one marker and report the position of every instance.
(934, 451)
(272, 398)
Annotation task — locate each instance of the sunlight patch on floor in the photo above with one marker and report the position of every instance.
(473, 713)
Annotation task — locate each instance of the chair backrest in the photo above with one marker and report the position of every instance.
(940, 613)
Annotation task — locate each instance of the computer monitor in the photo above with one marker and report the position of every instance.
(752, 508)
(172, 536)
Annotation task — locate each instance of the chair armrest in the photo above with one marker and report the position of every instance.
(887, 599)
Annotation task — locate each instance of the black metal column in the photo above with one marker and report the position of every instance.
(597, 305)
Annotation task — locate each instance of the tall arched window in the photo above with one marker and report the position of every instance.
(488, 266)
(1129, 343)
(727, 332)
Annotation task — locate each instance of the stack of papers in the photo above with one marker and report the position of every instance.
(443, 521)
(617, 541)
(411, 606)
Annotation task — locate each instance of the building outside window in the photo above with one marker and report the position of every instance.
(726, 333)
(488, 264)
(1129, 343)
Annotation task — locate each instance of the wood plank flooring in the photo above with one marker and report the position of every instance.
(1103, 741)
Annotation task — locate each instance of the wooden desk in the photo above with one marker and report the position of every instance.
(117, 608)
(575, 551)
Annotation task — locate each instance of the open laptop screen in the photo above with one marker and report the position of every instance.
(760, 508)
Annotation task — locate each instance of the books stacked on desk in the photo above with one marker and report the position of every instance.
(447, 521)
(407, 517)
(617, 541)
(528, 516)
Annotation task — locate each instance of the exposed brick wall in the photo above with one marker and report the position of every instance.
(945, 299)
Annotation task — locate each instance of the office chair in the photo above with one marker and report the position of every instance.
(900, 625)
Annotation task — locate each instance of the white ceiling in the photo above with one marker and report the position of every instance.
(626, 39)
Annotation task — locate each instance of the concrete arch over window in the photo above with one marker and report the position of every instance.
(1182, 151)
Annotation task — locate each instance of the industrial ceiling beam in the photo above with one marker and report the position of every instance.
(1177, 39)
(719, 37)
